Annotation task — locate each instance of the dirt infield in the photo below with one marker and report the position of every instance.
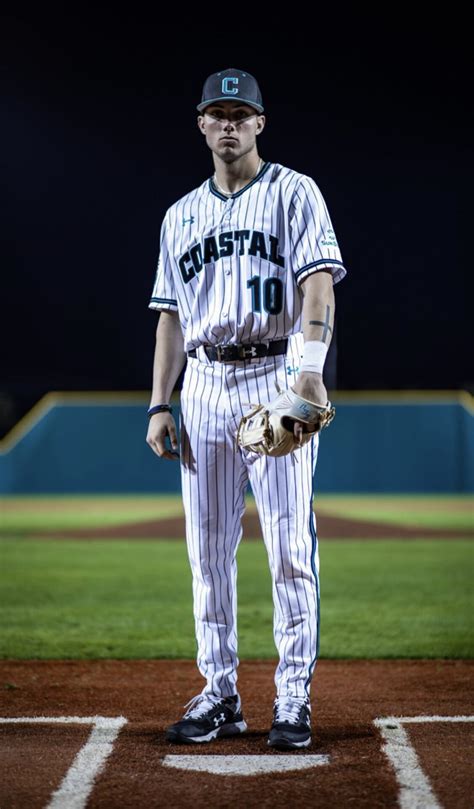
(329, 527)
(353, 768)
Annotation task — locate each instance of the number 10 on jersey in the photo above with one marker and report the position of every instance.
(271, 291)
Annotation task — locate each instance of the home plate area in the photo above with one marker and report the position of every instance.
(244, 765)
(362, 755)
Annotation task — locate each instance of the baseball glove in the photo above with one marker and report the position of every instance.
(268, 429)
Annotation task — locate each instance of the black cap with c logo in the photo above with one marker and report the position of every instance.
(233, 85)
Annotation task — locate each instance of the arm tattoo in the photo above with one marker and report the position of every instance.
(323, 323)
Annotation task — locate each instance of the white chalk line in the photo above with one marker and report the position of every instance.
(415, 788)
(109, 721)
(245, 765)
(77, 784)
(412, 720)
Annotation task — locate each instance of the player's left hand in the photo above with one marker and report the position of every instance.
(269, 429)
(310, 386)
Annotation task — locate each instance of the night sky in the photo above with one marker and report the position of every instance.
(99, 137)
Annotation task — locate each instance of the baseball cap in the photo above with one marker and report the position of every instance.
(233, 85)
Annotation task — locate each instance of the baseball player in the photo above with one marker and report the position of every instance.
(244, 284)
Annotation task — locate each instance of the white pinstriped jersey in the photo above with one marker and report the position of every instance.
(232, 266)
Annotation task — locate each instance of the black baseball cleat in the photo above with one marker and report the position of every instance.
(208, 718)
(291, 726)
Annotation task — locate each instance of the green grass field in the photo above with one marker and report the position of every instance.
(132, 599)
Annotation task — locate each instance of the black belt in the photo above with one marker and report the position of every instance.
(243, 351)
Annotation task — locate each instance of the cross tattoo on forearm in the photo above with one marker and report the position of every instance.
(323, 323)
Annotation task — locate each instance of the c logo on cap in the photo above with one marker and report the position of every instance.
(227, 89)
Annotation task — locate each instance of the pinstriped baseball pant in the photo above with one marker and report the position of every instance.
(214, 475)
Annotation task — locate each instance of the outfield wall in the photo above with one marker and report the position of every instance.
(378, 442)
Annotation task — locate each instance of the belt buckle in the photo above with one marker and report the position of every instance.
(244, 352)
(220, 349)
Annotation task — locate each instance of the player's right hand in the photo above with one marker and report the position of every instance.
(162, 425)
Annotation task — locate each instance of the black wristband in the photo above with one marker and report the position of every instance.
(161, 408)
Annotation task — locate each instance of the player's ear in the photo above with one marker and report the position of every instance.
(261, 121)
(200, 123)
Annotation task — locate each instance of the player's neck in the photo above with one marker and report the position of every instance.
(232, 177)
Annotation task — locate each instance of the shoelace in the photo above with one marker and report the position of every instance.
(288, 709)
(201, 704)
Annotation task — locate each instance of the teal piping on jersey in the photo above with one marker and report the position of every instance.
(164, 300)
(230, 97)
(314, 546)
(214, 190)
(316, 263)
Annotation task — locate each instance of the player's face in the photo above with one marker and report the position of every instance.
(231, 128)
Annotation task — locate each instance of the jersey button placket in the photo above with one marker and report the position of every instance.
(226, 218)
(227, 214)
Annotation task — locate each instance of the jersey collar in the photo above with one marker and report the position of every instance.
(257, 177)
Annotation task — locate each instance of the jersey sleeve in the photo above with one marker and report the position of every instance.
(163, 295)
(312, 239)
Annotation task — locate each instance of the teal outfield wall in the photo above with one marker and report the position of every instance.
(87, 443)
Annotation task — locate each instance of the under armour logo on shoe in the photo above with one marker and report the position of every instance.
(218, 720)
(190, 220)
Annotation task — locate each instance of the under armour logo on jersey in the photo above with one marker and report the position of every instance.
(292, 369)
(218, 720)
(190, 220)
(227, 88)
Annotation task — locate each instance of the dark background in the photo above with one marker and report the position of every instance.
(99, 137)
